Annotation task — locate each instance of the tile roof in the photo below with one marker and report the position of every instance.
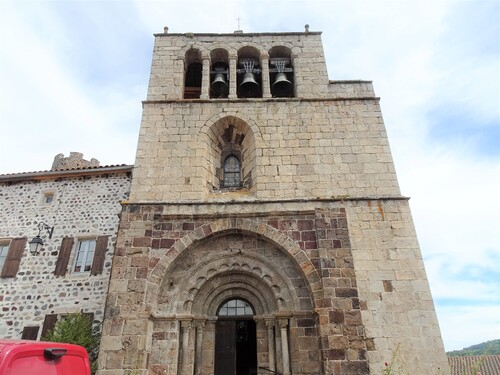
(475, 365)
(22, 176)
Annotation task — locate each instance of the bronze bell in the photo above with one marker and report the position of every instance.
(249, 87)
(282, 87)
(219, 84)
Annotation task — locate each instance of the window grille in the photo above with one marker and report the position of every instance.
(236, 307)
(232, 172)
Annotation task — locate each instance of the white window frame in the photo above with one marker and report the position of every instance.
(4, 250)
(86, 248)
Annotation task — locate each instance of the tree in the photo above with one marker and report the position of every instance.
(77, 329)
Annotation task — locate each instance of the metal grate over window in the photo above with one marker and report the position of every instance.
(236, 307)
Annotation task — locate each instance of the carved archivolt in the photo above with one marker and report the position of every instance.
(232, 266)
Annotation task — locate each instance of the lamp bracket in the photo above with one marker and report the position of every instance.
(44, 226)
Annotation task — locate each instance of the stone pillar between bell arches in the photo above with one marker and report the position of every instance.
(266, 88)
(205, 78)
(232, 77)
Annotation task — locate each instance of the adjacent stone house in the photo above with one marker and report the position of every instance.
(79, 201)
(265, 230)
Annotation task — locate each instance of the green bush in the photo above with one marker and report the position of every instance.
(77, 329)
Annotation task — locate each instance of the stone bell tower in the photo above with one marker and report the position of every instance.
(265, 231)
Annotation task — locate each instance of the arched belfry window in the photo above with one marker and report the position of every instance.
(281, 72)
(235, 307)
(193, 74)
(249, 73)
(232, 172)
(219, 73)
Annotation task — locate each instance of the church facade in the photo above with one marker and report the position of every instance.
(265, 230)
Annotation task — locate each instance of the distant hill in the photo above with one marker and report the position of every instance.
(489, 347)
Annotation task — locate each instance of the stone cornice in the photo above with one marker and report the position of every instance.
(258, 100)
(236, 34)
(270, 201)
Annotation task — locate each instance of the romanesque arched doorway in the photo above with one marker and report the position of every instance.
(237, 304)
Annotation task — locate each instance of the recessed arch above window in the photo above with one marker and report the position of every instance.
(232, 155)
(235, 307)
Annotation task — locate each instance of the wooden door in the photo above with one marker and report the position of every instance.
(225, 347)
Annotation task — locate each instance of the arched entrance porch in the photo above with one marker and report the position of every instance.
(235, 266)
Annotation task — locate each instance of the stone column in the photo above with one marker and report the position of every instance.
(205, 79)
(283, 323)
(295, 78)
(209, 357)
(198, 359)
(266, 88)
(186, 326)
(232, 77)
(179, 82)
(271, 344)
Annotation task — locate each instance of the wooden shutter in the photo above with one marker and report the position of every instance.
(99, 255)
(48, 323)
(64, 254)
(30, 333)
(90, 315)
(14, 256)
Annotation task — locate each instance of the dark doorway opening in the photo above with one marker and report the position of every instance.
(235, 347)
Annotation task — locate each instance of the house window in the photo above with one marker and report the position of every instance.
(48, 198)
(84, 256)
(236, 307)
(4, 249)
(232, 172)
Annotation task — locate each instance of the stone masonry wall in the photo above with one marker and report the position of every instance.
(303, 149)
(83, 208)
(398, 311)
(160, 246)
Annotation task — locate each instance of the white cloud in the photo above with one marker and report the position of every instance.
(460, 325)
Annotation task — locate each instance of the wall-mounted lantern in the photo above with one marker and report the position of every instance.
(36, 243)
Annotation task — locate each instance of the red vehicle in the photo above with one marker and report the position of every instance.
(24, 357)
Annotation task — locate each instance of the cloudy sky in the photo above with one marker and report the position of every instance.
(73, 74)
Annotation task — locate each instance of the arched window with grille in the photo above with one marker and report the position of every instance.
(235, 307)
(232, 172)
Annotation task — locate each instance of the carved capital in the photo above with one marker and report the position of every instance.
(283, 323)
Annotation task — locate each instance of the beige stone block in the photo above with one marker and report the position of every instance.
(110, 343)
